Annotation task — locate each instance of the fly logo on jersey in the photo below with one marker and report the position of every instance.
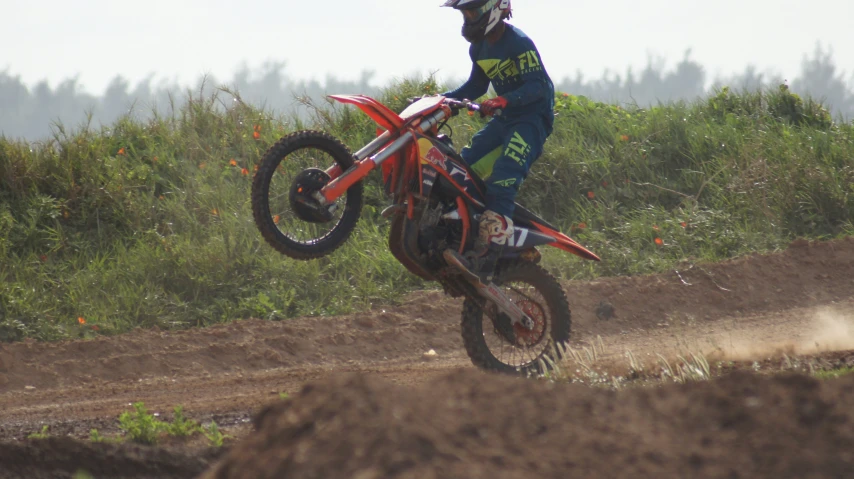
(529, 62)
(497, 69)
(512, 67)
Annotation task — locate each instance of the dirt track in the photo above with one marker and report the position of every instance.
(796, 301)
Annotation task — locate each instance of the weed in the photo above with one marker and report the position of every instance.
(181, 426)
(96, 436)
(214, 435)
(695, 368)
(141, 426)
(43, 434)
(834, 373)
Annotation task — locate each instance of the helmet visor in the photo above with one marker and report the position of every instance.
(474, 14)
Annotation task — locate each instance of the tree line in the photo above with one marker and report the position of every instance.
(31, 112)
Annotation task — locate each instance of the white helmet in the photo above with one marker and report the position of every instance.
(480, 16)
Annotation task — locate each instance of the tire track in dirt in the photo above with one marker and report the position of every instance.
(229, 399)
(226, 372)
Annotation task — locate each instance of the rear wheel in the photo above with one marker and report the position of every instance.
(283, 207)
(494, 344)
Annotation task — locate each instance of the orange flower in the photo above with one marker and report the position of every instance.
(160, 197)
(202, 165)
(471, 113)
(214, 212)
(121, 151)
(684, 224)
(154, 160)
(276, 219)
(232, 162)
(257, 128)
(582, 225)
(655, 227)
(566, 95)
(80, 320)
(256, 135)
(659, 241)
(624, 138)
(244, 172)
(591, 195)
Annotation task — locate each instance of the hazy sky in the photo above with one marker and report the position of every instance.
(182, 39)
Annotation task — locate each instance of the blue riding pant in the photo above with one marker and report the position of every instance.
(501, 154)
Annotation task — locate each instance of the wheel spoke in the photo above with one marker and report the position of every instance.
(284, 207)
(529, 346)
(289, 224)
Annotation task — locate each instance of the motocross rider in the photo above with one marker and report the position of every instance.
(503, 151)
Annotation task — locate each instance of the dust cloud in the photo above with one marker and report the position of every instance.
(834, 331)
(827, 329)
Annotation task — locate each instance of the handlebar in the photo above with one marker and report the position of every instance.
(458, 105)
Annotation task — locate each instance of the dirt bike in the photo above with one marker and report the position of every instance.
(307, 196)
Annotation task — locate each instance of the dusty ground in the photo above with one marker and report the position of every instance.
(800, 301)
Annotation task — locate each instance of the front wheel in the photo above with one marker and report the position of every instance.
(289, 219)
(494, 344)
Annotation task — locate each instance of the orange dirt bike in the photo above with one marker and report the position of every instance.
(307, 198)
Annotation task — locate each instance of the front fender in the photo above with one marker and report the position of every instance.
(380, 113)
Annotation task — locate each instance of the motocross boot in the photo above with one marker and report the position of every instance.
(493, 232)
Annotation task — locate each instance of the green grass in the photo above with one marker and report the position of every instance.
(147, 224)
(145, 428)
(214, 435)
(181, 426)
(43, 434)
(834, 373)
(141, 426)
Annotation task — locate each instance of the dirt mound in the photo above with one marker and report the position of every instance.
(469, 424)
(63, 457)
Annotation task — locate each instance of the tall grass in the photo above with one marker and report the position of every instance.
(149, 224)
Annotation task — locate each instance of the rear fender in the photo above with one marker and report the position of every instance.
(566, 243)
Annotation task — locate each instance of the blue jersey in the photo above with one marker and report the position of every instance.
(514, 68)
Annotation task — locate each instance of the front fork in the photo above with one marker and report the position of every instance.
(491, 292)
(505, 305)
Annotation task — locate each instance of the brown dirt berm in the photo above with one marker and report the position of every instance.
(473, 425)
